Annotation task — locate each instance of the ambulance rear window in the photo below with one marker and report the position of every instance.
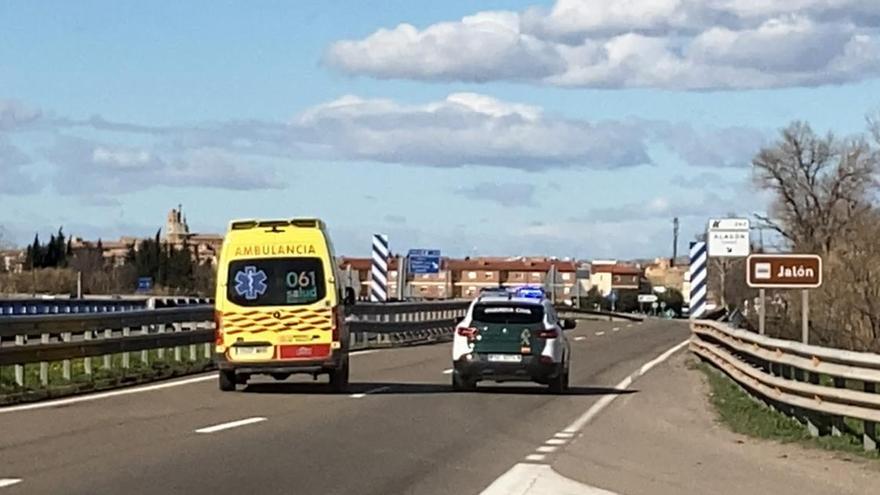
(275, 281)
(508, 313)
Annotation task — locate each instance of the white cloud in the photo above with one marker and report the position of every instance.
(14, 113)
(86, 167)
(661, 207)
(465, 129)
(672, 44)
(482, 47)
(505, 194)
(13, 178)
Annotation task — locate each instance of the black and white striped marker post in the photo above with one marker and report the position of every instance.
(699, 258)
(379, 270)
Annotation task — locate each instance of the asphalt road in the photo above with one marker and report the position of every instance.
(400, 430)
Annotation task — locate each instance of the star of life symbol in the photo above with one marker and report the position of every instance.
(250, 283)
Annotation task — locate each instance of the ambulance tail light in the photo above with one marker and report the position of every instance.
(218, 328)
(335, 323)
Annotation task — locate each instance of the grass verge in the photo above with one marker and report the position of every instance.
(154, 368)
(744, 415)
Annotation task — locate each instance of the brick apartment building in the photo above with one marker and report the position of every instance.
(611, 275)
(464, 278)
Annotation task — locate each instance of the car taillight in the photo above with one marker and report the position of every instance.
(218, 328)
(470, 333)
(336, 324)
(548, 334)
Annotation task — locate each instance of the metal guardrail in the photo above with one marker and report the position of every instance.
(64, 305)
(566, 311)
(43, 339)
(819, 386)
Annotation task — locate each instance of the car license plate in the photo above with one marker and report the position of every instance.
(251, 350)
(505, 358)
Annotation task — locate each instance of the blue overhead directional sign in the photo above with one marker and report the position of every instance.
(424, 261)
(145, 284)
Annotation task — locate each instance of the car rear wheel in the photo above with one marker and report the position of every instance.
(559, 385)
(339, 378)
(463, 384)
(227, 380)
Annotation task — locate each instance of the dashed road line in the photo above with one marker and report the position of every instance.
(615, 329)
(4, 482)
(447, 372)
(368, 392)
(580, 337)
(537, 475)
(231, 424)
(599, 334)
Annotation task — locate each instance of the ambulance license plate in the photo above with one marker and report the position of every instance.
(251, 350)
(505, 358)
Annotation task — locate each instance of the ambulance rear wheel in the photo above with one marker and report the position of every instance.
(227, 380)
(463, 384)
(339, 378)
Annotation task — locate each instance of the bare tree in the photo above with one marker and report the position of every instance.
(822, 185)
(825, 201)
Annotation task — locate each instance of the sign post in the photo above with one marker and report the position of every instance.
(785, 271)
(805, 317)
(762, 311)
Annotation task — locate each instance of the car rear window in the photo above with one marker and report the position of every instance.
(275, 281)
(508, 313)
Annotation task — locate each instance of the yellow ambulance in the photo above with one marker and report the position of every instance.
(280, 304)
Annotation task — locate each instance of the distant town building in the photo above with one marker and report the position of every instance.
(606, 276)
(464, 278)
(12, 260)
(662, 273)
(205, 247)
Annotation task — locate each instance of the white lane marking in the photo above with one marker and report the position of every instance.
(615, 329)
(133, 390)
(4, 482)
(629, 326)
(231, 424)
(447, 372)
(580, 337)
(546, 449)
(603, 402)
(538, 479)
(364, 394)
(556, 441)
(107, 395)
(363, 352)
(599, 334)
(663, 357)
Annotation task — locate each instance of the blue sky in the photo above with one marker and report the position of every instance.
(568, 127)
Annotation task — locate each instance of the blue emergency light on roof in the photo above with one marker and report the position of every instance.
(530, 292)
